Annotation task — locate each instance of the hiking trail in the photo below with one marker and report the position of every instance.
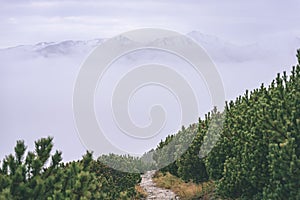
(154, 192)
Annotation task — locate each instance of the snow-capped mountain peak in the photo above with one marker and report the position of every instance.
(219, 49)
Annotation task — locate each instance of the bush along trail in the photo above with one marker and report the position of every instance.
(24, 175)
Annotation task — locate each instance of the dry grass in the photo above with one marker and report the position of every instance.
(141, 193)
(184, 190)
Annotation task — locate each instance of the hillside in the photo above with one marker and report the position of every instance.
(257, 155)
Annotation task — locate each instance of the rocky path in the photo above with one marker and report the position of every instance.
(155, 193)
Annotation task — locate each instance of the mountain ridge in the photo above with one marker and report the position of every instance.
(219, 49)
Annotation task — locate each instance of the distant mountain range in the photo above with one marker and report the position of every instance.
(218, 49)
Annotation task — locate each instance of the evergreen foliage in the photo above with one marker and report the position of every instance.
(258, 153)
(31, 176)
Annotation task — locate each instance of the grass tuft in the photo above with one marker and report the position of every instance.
(141, 193)
(184, 190)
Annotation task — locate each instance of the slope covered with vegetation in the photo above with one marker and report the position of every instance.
(258, 153)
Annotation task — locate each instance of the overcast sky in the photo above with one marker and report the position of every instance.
(27, 22)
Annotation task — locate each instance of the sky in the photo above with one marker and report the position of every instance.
(27, 22)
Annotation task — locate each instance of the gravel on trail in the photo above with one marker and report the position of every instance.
(154, 192)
